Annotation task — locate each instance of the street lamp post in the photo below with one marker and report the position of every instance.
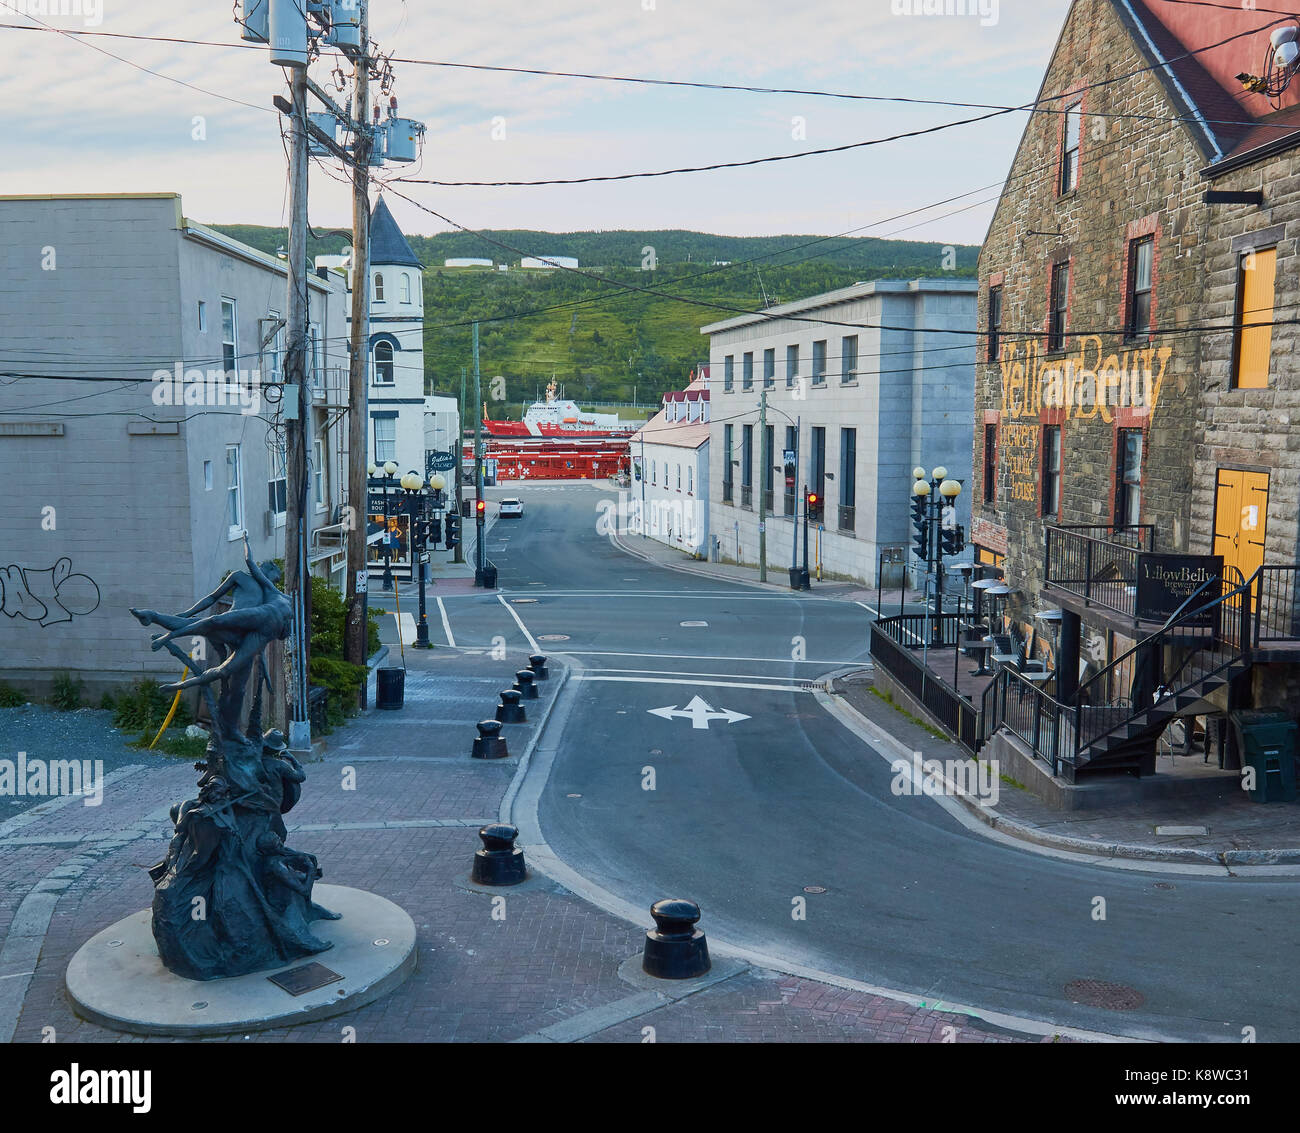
(940, 492)
(389, 470)
(413, 484)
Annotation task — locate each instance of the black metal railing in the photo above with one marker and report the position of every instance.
(746, 495)
(894, 642)
(768, 500)
(727, 490)
(1277, 604)
(1039, 719)
(846, 517)
(1097, 563)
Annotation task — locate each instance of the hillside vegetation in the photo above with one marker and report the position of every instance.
(600, 340)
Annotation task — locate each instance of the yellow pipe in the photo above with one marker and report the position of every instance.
(176, 700)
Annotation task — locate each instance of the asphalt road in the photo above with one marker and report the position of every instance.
(750, 808)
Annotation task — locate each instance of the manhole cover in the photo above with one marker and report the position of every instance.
(521, 601)
(814, 889)
(1099, 993)
(552, 637)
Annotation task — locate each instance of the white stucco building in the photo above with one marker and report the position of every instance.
(670, 470)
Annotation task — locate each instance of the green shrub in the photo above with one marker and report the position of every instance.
(67, 692)
(10, 697)
(107, 703)
(145, 707)
(344, 682)
(174, 742)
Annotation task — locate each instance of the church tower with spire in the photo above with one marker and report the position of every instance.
(396, 392)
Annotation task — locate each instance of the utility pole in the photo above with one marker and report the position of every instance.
(480, 560)
(765, 463)
(297, 421)
(460, 463)
(355, 641)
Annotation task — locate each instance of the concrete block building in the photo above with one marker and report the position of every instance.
(862, 385)
(140, 426)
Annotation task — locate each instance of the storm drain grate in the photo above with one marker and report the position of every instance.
(1099, 993)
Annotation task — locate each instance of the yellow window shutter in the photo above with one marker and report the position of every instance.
(1254, 343)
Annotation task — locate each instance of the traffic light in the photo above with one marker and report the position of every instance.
(480, 508)
(953, 540)
(920, 528)
(453, 531)
(813, 505)
(434, 533)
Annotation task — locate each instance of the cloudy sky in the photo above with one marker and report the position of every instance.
(79, 120)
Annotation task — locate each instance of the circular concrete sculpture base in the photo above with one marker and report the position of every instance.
(116, 978)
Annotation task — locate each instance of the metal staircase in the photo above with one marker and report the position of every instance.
(1120, 713)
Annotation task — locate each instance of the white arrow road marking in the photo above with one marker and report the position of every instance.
(698, 712)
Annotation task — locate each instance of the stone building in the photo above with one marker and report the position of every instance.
(863, 384)
(141, 427)
(1128, 427)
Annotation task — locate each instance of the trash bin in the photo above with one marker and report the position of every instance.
(489, 578)
(1266, 738)
(391, 688)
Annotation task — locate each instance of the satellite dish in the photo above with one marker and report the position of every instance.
(1286, 54)
(1283, 35)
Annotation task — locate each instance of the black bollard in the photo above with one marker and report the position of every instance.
(510, 711)
(537, 663)
(525, 683)
(498, 862)
(675, 949)
(490, 744)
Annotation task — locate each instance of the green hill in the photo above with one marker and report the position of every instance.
(596, 337)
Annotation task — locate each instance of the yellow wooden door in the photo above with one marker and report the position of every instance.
(1241, 518)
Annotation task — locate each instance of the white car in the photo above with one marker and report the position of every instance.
(511, 507)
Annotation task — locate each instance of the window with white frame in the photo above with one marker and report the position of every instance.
(318, 472)
(385, 439)
(379, 288)
(384, 369)
(272, 348)
(229, 343)
(234, 492)
(203, 317)
(317, 376)
(405, 288)
(690, 480)
(277, 485)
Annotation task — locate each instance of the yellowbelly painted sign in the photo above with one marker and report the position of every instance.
(1085, 384)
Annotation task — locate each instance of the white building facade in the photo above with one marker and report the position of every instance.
(145, 433)
(862, 384)
(670, 471)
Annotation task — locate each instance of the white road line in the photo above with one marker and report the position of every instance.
(446, 624)
(692, 684)
(872, 609)
(677, 595)
(682, 673)
(405, 627)
(703, 657)
(520, 623)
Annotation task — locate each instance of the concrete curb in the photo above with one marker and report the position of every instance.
(1129, 851)
(525, 760)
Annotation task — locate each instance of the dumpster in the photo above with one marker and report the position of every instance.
(391, 688)
(1266, 738)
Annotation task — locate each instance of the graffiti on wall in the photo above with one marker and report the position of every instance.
(48, 596)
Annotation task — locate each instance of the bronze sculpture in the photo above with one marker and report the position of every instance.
(230, 897)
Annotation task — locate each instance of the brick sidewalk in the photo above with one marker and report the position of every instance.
(408, 832)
